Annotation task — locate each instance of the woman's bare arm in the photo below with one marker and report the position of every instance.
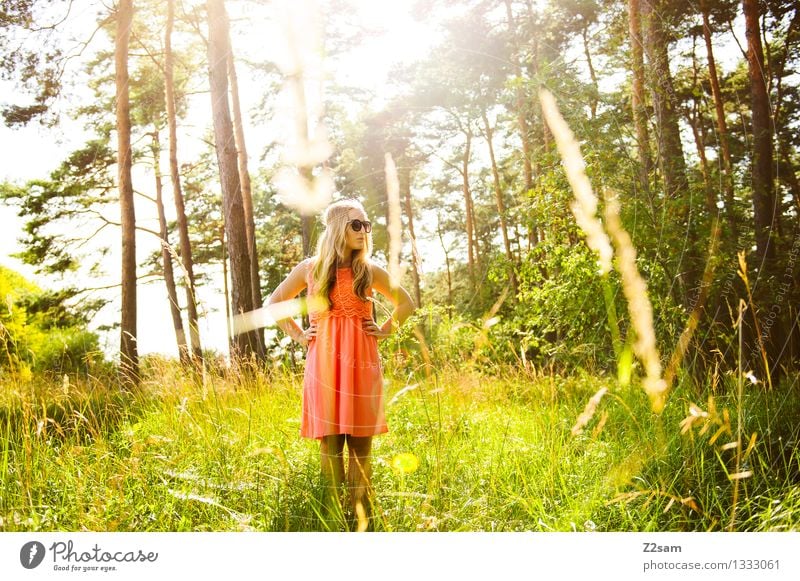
(291, 286)
(398, 296)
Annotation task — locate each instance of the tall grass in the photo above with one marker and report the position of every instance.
(467, 451)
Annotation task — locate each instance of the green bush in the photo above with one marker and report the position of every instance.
(39, 331)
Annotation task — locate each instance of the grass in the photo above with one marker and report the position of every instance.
(495, 452)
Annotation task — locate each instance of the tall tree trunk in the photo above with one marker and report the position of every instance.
(226, 290)
(783, 134)
(670, 149)
(245, 343)
(185, 247)
(522, 119)
(695, 121)
(501, 207)
(533, 68)
(129, 354)
(637, 97)
(592, 73)
(671, 160)
(166, 256)
(306, 231)
(244, 177)
(471, 246)
(722, 128)
(475, 236)
(247, 191)
(695, 118)
(765, 201)
(439, 231)
(405, 190)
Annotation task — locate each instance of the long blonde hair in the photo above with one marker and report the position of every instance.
(331, 252)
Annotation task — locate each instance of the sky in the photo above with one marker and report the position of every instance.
(34, 151)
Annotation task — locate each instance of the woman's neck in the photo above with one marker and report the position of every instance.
(345, 262)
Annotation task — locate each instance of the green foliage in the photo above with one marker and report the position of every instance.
(563, 316)
(40, 332)
(448, 338)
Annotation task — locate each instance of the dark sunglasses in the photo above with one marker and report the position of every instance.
(357, 224)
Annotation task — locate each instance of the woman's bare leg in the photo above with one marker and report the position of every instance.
(331, 450)
(359, 478)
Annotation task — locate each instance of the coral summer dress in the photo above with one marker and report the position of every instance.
(343, 382)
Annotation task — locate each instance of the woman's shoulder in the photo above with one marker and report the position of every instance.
(302, 268)
(308, 264)
(380, 276)
(376, 268)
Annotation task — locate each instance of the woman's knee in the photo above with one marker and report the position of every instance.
(359, 446)
(332, 445)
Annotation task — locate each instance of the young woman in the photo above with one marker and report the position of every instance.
(343, 383)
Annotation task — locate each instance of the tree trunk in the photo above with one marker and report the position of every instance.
(522, 119)
(475, 237)
(405, 189)
(695, 121)
(722, 128)
(226, 287)
(533, 68)
(245, 343)
(592, 74)
(764, 198)
(166, 256)
(637, 97)
(185, 247)
(471, 253)
(501, 209)
(446, 259)
(670, 150)
(671, 160)
(695, 118)
(765, 201)
(244, 177)
(129, 355)
(307, 222)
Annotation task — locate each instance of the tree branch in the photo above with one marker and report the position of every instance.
(57, 24)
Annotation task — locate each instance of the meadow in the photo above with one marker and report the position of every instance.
(469, 449)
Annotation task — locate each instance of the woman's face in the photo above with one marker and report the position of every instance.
(355, 240)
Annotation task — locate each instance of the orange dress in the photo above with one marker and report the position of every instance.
(343, 382)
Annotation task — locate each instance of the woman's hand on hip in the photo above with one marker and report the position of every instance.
(371, 328)
(308, 334)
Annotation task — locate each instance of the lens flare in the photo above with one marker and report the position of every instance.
(405, 463)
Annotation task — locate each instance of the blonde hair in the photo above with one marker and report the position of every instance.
(331, 252)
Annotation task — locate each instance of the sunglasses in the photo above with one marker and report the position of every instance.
(356, 225)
